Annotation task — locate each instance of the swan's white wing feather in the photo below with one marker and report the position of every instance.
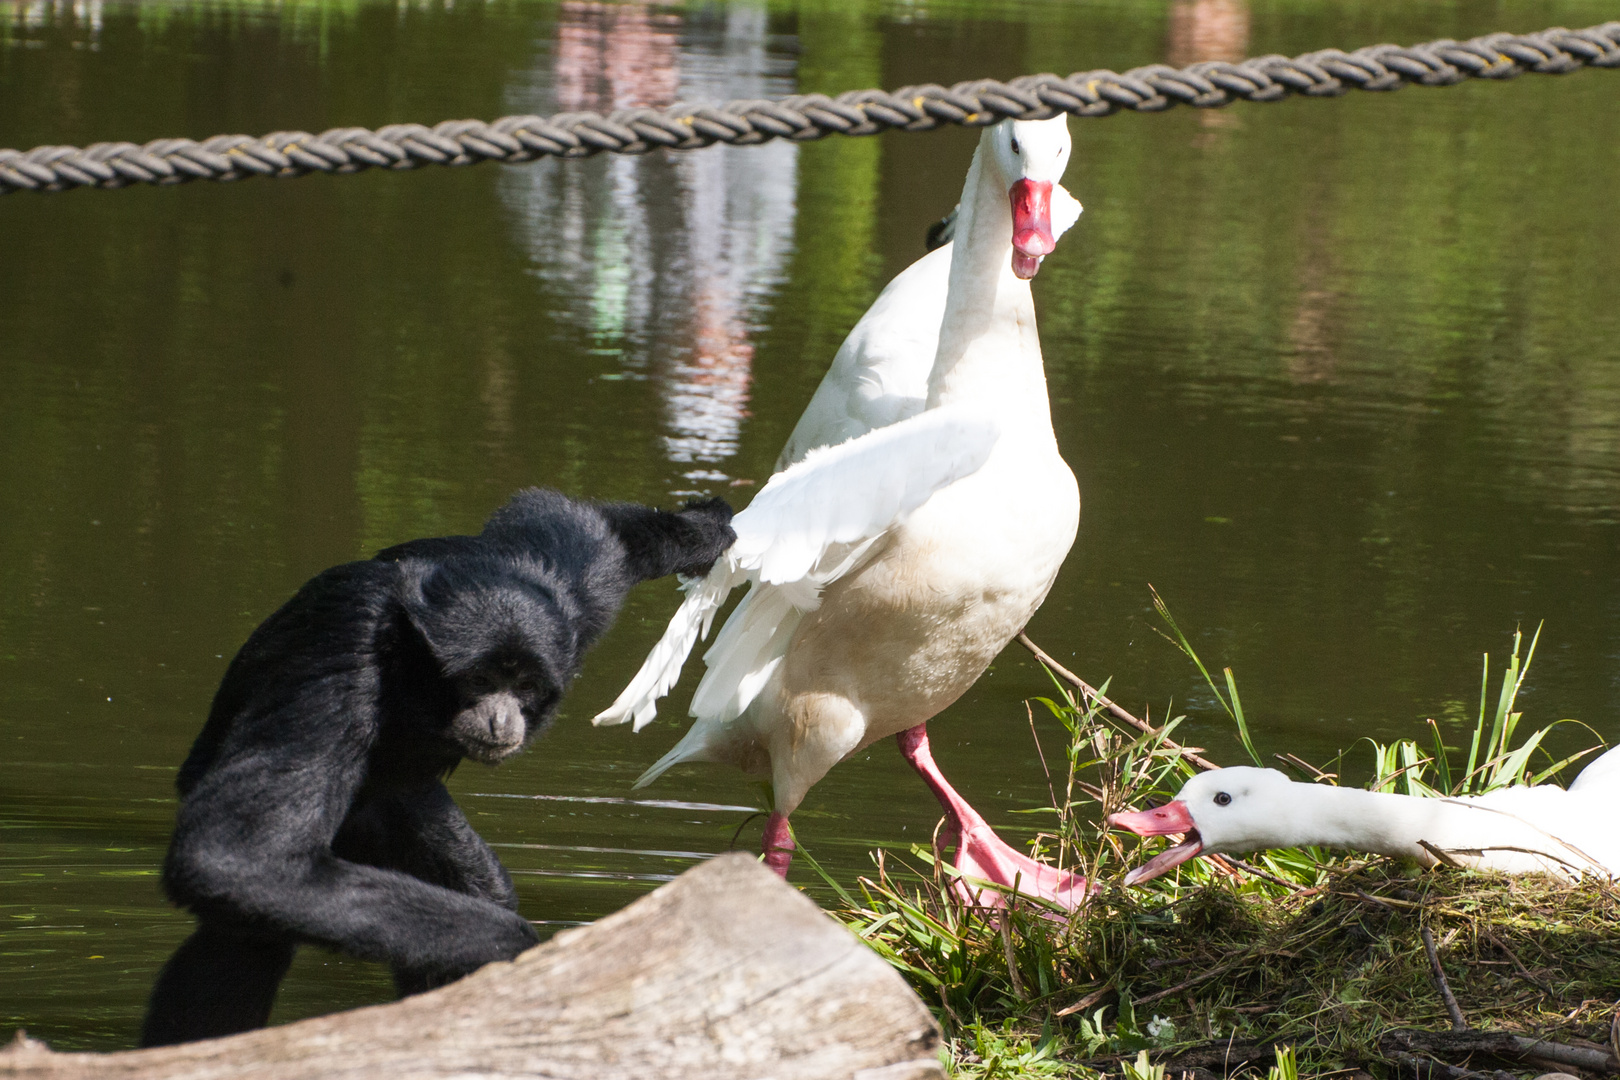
(808, 526)
(1066, 210)
(880, 374)
(659, 672)
(856, 491)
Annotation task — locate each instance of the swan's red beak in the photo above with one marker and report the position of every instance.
(1032, 225)
(1173, 818)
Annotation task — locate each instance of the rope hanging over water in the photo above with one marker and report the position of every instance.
(511, 139)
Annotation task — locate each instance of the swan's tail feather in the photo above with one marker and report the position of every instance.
(638, 701)
(690, 748)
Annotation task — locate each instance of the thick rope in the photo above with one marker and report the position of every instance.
(1210, 84)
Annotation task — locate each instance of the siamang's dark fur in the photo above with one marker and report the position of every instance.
(312, 808)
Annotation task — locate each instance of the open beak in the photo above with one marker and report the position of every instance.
(1173, 818)
(1032, 225)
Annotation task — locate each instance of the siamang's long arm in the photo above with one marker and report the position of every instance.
(659, 542)
(422, 832)
(654, 542)
(252, 846)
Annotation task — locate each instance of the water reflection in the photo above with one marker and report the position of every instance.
(1203, 30)
(1208, 30)
(663, 256)
(80, 18)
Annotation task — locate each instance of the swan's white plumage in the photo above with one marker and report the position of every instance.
(921, 518)
(880, 374)
(808, 527)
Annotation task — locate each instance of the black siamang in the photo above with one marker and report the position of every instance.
(312, 808)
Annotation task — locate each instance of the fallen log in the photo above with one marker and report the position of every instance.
(1499, 1044)
(726, 973)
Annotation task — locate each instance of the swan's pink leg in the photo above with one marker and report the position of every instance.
(778, 844)
(980, 852)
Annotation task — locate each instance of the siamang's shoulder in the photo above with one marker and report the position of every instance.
(301, 666)
(541, 515)
(430, 549)
(332, 620)
(352, 595)
(572, 538)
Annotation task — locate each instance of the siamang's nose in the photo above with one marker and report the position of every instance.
(506, 720)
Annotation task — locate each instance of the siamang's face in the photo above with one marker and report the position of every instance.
(502, 701)
(506, 652)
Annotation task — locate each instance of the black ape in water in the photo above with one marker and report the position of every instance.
(312, 808)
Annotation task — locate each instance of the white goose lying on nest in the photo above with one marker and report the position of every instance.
(888, 570)
(1518, 830)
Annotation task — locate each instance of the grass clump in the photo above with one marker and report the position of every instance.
(1290, 963)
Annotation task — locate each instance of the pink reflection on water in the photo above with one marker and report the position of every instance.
(665, 259)
(614, 56)
(1208, 30)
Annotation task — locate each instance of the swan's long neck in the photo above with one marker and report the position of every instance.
(1385, 824)
(1357, 820)
(989, 351)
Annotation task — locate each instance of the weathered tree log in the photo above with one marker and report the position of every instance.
(1500, 1044)
(725, 973)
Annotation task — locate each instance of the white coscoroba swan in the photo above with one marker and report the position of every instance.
(1517, 829)
(888, 570)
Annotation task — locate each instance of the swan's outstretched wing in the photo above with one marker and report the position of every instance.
(659, 672)
(812, 524)
(854, 491)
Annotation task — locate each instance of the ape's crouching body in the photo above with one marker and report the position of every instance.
(312, 808)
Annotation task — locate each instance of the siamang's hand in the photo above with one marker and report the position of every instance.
(711, 521)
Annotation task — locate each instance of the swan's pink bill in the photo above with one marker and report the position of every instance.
(1032, 225)
(1173, 818)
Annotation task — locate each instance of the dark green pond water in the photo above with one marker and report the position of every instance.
(1340, 378)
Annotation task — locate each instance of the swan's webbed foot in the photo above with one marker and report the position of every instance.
(980, 853)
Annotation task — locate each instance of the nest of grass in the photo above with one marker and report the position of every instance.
(1214, 979)
(1292, 963)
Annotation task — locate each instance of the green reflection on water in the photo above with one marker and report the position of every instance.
(1339, 377)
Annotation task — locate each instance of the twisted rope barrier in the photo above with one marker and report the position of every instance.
(1210, 84)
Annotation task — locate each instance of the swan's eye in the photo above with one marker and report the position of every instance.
(1015, 144)
(1222, 799)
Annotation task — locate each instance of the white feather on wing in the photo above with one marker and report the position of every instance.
(810, 525)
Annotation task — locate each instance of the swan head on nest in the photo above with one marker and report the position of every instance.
(1228, 810)
(1031, 156)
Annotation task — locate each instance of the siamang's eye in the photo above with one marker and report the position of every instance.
(527, 687)
(1222, 799)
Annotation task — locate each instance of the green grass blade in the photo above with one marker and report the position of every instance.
(1237, 715)
(1181, 642)
(1442, 764)
(1479, 725)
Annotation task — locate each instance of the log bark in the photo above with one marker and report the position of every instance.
(1500, 1044)
(725, 973)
